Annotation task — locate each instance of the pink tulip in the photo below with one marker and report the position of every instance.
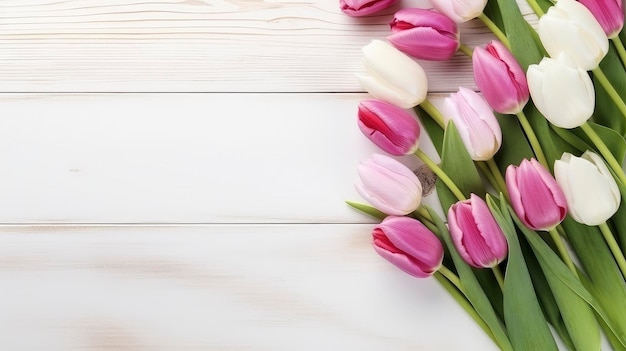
(476, 123)
(536, 197)
(388, 185)
(460, 11)
(389, 127)
(424, 34)
(407, 244)
(500, 78)
(358, 8)
(476, 234)
(608, 13)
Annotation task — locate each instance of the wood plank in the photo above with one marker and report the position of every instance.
(272, 287)
(198, 46)
(181, 158)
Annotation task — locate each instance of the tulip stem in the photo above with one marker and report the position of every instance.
(620, 49)
(440, 174)
(434, 112)
(466, 50)
(495, 30)
(610, 89)
(423, 215)
(536, 8)
(617, 253)
(498, 274)
(563, 250)
(499, 178)
(604, 150)
(453, 278)
(532, 138)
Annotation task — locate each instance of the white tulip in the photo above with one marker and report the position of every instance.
(393, 76)
(561, 91)
(570, 27)
(460, 11)
(591, 192)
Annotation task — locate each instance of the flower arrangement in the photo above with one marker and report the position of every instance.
(531, 177)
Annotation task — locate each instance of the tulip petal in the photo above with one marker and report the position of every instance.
(490, 231)
(425, 43)
(358, 8)
(423, 245)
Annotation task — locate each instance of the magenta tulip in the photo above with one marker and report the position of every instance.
(389, 127)
(388, 185)
(476, 234)
(535, 196)
(476, 123)
(500, 78)
(424, 34)
(358, 8)
(608, 13)
(407, 244)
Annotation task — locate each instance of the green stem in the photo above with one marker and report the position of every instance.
(421, 211)
(620, 49)
(499, 178)
(453, 278)
(494, 28)
(604, 150)
(440, 174)
(563, 250)
(532, 138)
(434, 113)
(498, 274)
(536, 8)
(617, 253)
(466, 50)
(613, 94)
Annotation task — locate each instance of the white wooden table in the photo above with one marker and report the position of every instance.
(173, 175)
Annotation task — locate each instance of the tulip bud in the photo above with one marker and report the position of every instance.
(570, 28)
(460, 11)
(424, 34)
(561, 91)
(476, 123)
(358, 8)
(500, 78)
(476, 234)
(409, 245)
(590, 190)
(393, 76)
(388, 185)
(389, 127)
(535, 196)
(608, 13)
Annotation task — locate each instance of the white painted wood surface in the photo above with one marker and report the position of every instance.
(234, 113)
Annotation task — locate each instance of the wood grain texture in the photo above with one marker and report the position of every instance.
(197, 46)
(270, 287)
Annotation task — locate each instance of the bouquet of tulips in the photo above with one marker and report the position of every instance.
(530, 176)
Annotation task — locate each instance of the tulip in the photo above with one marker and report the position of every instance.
(409, 245)
(570, 28)
(590, 190)
(476, 123)
(476, 234)
(535, 196)
(460, 11)
(561, 91)
(389, 127)
(608, 13)
(393, 76)
(424, 34)
(500, 78)
(358, 8)
(388, 185)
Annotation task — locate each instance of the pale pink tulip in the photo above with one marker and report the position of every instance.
(476, 234)
(424, 34)
(389, 127)
(407, 244)
(476, 123)
(388, 185)
(608, 13)
(358, 8)
(535, 196)
(500, 78)
(460, 10)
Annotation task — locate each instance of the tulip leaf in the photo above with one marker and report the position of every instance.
(511, 153)
(606, 112)
(618, 219)
(528, 329)
(612, 139)
(519, 33)
(434, 131)
(472, 289)
(368, 210)
(459, 166)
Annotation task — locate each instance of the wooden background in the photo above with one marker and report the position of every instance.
(173, 175)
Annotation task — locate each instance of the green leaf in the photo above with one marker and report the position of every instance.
(606, 113)
(518, 32)
(612, 139)
(511, 153)
(527, 327)
(434, 131)
(459, 166)
(368, 210)
(473, 290)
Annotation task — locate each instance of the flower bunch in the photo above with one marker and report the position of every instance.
(531, 177)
